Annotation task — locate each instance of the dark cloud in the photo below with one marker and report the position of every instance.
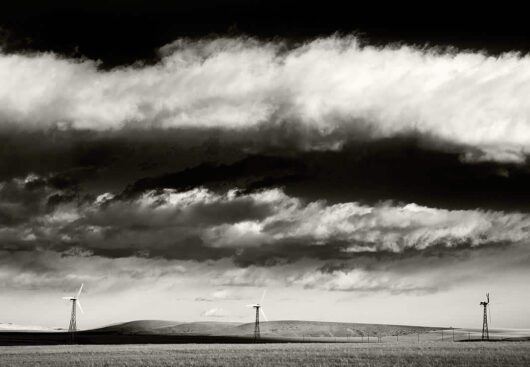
(105, 161)
(404, 169)
(411, 168)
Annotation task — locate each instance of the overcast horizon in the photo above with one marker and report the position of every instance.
(181, 160)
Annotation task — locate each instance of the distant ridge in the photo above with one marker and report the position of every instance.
(284, 328)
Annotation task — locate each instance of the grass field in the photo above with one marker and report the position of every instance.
(263, 355)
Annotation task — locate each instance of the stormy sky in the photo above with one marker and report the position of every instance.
(179, 159)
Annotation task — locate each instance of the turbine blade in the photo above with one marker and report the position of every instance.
(253, 305)
(80, 289)
(263, 314)
(68, 298)
(81, 308)
(262, 297)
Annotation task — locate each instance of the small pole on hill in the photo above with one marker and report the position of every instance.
(453, 329)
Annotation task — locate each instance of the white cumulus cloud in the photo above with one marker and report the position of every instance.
(326, 85)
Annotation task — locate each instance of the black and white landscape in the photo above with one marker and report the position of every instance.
(363, 164)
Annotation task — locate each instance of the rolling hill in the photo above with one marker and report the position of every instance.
(292, 331)
(273, 329)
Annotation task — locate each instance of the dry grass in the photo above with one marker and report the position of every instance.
(384, 354)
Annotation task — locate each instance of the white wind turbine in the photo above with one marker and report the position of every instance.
(259, 309)
(75, 302)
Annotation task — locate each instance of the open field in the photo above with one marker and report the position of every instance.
(263, 355)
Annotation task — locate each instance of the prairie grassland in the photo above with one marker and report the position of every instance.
(354, 354)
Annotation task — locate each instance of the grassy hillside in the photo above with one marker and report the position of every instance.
(286, 329)
(330, 329)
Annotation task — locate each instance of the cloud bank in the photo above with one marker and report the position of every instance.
(262, 228)
(238, 239)
(327, 85)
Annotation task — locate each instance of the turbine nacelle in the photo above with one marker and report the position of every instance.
(485, 303)
(259, 306)
(75, 298)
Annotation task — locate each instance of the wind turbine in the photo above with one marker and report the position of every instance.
(75, 302)
(490, 303)
(485, 331)
(258, 306)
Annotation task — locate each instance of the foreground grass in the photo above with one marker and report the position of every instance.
(384, 354)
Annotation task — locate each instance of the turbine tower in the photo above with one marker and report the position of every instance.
(485, 331)
(72, 328)
(258, 306)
